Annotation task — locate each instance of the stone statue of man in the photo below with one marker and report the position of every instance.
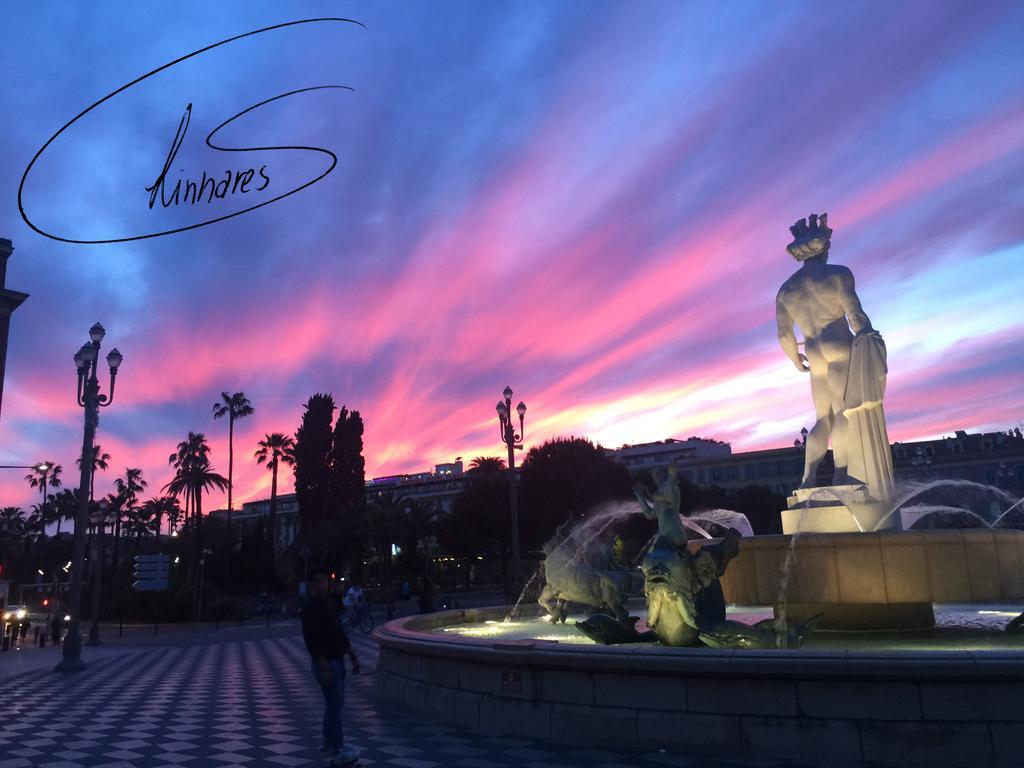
(820, 298)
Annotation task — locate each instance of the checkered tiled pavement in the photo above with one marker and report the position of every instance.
(205, 702)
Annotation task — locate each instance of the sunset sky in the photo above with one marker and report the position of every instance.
(588, 201)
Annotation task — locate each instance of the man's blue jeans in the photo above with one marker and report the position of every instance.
(334, 698)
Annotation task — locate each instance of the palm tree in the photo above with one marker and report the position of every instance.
(100, 461)
(192, 450)
(35, 525)
(193, 475)
(128, 489)
(160, 506)
(486, 465)
(13, 530)
(273, 449)
(234, 406)
(44, 479)
(174, 514)
(12, 521)
(138, 521)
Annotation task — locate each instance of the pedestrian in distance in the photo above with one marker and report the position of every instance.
(426, 594)
(328, 645)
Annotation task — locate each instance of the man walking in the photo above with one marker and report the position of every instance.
(328, 644)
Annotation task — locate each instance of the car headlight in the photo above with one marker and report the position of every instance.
(67, 617)
(21, 614)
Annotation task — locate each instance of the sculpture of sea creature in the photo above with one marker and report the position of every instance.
(682, 589)
(589, 579)
(604, 629)
(762, 635)
(1016, 626)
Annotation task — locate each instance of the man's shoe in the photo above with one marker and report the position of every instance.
(347, 756)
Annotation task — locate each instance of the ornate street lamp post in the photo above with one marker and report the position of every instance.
(89, 398)
(9, 301)
(96, 571)
(514, 442)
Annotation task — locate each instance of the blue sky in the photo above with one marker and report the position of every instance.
(587, 201)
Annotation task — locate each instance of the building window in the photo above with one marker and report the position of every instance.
(749, 471)
(732, 473)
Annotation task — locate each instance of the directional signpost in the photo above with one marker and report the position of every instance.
(151, 572)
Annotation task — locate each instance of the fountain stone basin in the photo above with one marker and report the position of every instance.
(884, 580)
(927, 708)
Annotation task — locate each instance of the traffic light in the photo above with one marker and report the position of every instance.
(46, 602)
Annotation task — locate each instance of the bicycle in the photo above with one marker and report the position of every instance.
(360, 617)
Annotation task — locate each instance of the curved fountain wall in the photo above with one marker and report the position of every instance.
(887, 708)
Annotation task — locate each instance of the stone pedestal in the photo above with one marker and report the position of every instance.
(836, 509)
(887, 580)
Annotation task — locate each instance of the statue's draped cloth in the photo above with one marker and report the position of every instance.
(870, 458)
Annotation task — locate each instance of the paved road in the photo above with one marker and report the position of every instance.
(240, 697)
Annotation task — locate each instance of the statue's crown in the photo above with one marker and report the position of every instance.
(811, 237)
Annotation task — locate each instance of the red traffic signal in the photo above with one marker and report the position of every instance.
(46, 602)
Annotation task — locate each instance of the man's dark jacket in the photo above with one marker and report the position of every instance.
(323, 633)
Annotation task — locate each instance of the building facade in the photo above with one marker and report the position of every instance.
(992, 458)
(436, 489)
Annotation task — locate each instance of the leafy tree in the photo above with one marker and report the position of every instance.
(100, 462)
(273, 449)
(382, 516)
(563, 477)
(759, 503)
(235, 406)
(486, 465)
(479, 521)
(313, 453)
(415, 524)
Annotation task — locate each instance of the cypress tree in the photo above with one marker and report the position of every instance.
(313, 459)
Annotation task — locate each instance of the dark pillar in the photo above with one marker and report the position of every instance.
(9, 301)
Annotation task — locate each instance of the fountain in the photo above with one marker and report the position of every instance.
(862, 633)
